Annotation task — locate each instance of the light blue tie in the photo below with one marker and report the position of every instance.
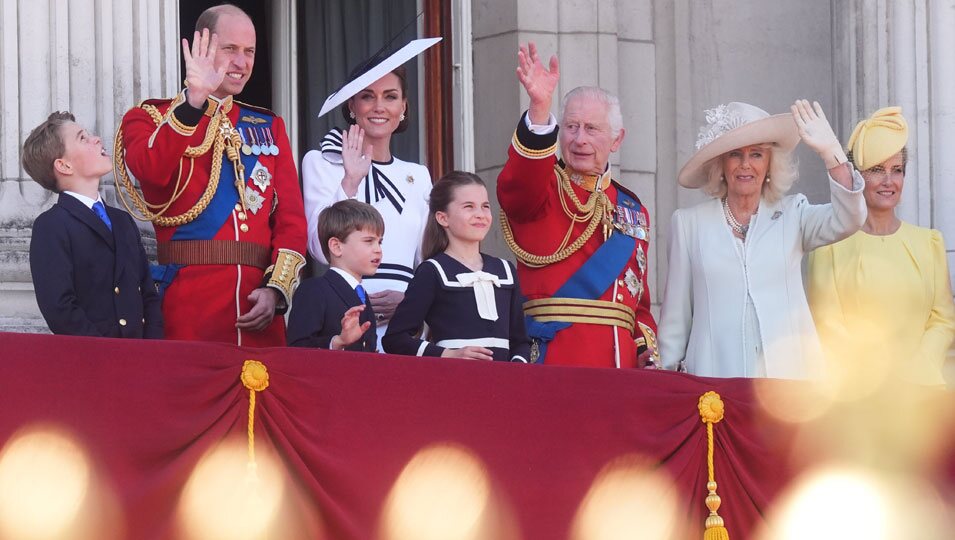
(361, 294)
(100, 211)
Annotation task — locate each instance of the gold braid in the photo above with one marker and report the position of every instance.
(596, 210)
(218, 133)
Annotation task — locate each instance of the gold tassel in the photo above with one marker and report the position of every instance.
(711, 412)
(255, 377)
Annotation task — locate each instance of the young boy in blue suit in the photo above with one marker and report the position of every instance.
(332, 311)
(90, 271)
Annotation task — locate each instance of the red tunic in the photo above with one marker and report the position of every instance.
(204, 300)
(527, 189)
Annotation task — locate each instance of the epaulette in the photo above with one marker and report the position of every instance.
(255, 108)
(155, 102)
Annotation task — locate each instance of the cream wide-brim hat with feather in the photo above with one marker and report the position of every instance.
(736, 125)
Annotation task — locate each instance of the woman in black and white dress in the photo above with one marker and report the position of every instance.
(358, 164)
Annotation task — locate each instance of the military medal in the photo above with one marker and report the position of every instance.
(627, 221)
(273, 149)
(641, 260)
(256, 149)
(261, 176)
(642, 226)
(246, 149)
(263, 144)
(253, 200)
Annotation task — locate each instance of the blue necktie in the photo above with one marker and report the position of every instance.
(361, 294)
(100, 211)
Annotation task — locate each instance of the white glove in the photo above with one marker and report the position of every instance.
(816, 132)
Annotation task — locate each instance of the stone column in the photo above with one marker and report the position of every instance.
(899, 52)
(95, 59)
(710, 53)
(606, 43)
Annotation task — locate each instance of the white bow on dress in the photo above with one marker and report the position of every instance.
(483, 284)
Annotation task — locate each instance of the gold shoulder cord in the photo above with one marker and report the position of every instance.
(596, 210)
(220, 137)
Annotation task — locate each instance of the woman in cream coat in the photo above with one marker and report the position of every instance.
(734, 304)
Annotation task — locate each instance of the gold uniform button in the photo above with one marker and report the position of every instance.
(620, 297)
(244, 227)
(116, 290)
(238, 207)
(620, 282)
(122, 322)
(242, 216)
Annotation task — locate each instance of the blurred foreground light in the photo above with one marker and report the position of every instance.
(443, 493)
(840, 503)
(44, 481)
(225, 499)
(791, 402)
(630, 498)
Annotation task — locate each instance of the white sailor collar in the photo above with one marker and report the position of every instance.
(450, 268)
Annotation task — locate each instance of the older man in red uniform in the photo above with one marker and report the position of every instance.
(581, 238)
(220, 187)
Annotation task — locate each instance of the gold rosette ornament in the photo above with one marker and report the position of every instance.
(255, 377)
(711, 412)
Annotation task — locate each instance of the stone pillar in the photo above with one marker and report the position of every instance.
(717, 51)
(607, 43)
(95, 59)
(898, 52)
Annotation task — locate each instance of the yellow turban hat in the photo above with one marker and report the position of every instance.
(878, 137)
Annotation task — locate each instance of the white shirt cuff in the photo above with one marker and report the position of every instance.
(541, 129)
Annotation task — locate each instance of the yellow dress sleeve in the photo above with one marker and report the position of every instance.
(825, 302)
(940, 328)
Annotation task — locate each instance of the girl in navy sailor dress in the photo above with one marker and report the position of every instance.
(470, 301)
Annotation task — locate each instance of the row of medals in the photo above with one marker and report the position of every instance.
(261, 144)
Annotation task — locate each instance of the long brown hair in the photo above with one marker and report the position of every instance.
(435, 237)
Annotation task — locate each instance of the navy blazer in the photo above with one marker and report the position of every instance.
(317, 310)
(90, 281)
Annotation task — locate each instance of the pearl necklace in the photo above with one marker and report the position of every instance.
(734, 224)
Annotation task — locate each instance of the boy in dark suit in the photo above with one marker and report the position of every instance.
(331, 311)
(90, 271)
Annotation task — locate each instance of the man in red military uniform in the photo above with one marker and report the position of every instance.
(580, 238)
(220, 187)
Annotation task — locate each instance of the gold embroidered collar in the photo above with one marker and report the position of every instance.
(590, 182)
(216, 104)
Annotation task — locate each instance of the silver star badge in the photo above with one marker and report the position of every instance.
(632, 282)
(253, 200)
(261, 176)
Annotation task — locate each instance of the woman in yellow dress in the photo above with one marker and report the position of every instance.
(883, 296)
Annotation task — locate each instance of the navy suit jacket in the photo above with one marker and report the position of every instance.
(317, 310)
(90, 281)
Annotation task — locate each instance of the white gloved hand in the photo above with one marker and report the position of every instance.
(816, 132)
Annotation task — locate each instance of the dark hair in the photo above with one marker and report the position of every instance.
(435, 237)
(345, 217)
(402, 75)
(905, 158)
(43, 146)
(210, 17)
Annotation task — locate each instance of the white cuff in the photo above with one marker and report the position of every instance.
(541, 129)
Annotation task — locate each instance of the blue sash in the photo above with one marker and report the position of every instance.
(212, 219)
(590, 281)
